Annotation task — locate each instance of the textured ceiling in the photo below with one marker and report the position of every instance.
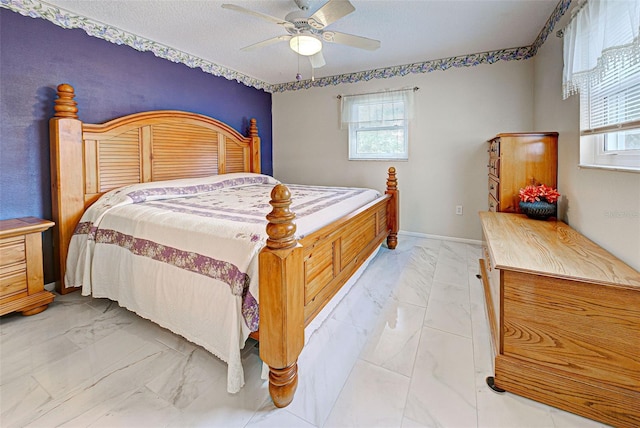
(409, 31)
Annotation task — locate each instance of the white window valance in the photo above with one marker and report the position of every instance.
(601, 38)
(602, 64)
(377, 109)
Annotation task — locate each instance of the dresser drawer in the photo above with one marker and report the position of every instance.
(494, 167)
(12, 250)
(494, 205)
(494, 148)
(13, 279)
(493, 188)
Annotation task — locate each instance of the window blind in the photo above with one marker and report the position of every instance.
(613, 103)
(602, 64)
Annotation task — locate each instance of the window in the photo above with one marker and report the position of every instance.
(378, 124)
(602, 64)
(618, 142)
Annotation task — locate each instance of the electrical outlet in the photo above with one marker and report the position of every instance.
(458, 209)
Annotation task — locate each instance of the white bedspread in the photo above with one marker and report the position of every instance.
(183, 253)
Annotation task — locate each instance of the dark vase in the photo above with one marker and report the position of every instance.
(540, 210)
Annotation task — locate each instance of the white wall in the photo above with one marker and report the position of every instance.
(602, 205)
(456, 112)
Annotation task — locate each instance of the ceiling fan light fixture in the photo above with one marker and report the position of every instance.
(305, 45)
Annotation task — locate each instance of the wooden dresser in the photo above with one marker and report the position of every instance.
(516, 160)
(564, 317)
(21, 273)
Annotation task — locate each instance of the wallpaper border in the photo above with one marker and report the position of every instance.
(65, 19)
(469, 60)
(69, 20)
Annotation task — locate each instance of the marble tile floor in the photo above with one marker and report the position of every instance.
(408, 346)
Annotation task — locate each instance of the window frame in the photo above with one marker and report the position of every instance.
(356, 127)
(594, 155)
(386, 111)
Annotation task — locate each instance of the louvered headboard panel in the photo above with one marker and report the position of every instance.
(117, 159)
(161, 145)
(236, 156)
(169, 159)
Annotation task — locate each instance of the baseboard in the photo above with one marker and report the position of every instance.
(442, 238)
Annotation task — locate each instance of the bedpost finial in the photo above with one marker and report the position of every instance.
(392, 181)
(65, 106)
(281, 228)
(253, 128)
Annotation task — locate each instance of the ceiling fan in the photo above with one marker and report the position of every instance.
(306, 33)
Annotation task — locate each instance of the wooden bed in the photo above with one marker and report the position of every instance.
(297, 278)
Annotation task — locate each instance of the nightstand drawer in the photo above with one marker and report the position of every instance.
(21, 273)
(13, 279)
(12, 250)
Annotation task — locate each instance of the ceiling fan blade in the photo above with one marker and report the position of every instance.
(317, 60)
(351, 40)
(330, 12)
(260, 15)
(265, 43)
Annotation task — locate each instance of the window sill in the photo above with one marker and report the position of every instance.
(611, 168)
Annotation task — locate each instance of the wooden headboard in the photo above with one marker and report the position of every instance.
(88, 160)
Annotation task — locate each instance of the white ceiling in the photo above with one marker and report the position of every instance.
(409, 31)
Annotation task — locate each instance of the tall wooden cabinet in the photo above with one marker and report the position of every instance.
(519, 159)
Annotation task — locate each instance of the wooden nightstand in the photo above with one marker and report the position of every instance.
(21, 273)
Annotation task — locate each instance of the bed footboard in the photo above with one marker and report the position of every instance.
(297, 279)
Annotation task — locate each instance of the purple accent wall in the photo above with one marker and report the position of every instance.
(110, 81)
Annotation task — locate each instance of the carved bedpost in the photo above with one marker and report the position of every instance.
(255, 146)
(281, 296)
(393, 221)
(67, 192)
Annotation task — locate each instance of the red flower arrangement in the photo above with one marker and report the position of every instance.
(533, 193)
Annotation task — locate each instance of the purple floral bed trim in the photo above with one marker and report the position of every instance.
(201, 213)
(250, 311)
(84, 228)
(142, 195)
(193, 262)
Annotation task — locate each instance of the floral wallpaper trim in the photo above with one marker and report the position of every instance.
(558, 12)
(469, 60)
(64, 19)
